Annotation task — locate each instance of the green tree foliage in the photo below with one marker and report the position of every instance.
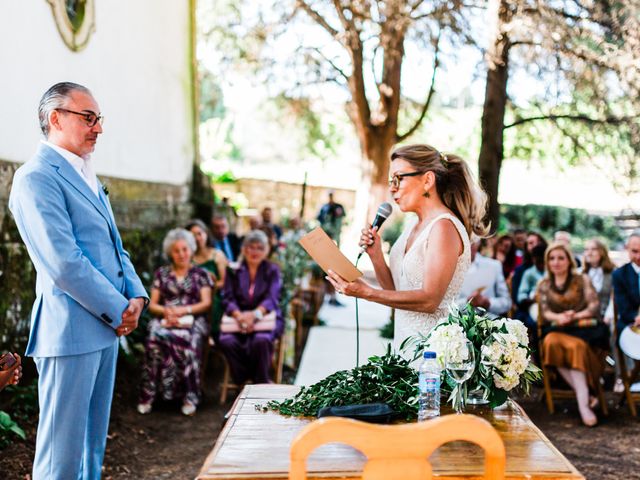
(548, 219)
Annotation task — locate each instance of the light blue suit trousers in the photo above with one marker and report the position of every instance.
(75, 400)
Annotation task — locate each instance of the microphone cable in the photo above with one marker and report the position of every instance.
(357, 324)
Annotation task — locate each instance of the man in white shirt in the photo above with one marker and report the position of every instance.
(484, 285)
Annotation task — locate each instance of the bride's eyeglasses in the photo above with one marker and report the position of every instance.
(394, 181)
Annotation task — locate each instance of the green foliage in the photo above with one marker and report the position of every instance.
(392, 232)
(383, 379)
(502, 354)
(211, 97)
(321, 134)
(548, 219)
(23, 404)
(224, 177)
(294, 263)
(8, 426)
(17, 292)
(387, 330)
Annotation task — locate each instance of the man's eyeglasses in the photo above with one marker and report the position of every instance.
(394, 181)
(90, 117)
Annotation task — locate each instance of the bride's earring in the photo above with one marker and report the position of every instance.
(426, 195)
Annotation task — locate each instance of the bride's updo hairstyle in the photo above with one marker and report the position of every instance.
(454, 183)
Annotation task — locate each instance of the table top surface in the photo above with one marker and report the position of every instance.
(255, 445)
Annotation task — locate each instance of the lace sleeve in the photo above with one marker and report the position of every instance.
(542, 296)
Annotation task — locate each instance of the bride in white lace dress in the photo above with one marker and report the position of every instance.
(429, 260)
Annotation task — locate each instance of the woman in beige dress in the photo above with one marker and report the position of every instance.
(428, 262)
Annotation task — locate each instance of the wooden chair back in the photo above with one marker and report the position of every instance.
(397, 452)
(547, 374)
(628, 378)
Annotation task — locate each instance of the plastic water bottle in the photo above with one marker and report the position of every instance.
(429, 384)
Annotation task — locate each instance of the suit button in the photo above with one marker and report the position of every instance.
(120, 273)
(106, 318)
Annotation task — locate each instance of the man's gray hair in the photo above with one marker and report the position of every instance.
(176, 235)
(256, 236)
(634, 234)
(55, 98)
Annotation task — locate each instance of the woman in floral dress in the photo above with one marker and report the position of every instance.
(180, 301)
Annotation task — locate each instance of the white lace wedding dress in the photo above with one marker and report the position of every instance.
(407, 270)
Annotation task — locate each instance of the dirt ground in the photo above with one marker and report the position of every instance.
(167, 445)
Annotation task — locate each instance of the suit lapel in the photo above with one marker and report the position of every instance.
(66, 171)
(632, 278)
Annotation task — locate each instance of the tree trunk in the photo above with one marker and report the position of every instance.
(378, 154)
(495, 102)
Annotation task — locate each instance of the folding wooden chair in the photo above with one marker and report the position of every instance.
(549, 374)
(277, 364)
(397, 452)
(628, 377)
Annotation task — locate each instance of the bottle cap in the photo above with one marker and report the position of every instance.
(429, 354)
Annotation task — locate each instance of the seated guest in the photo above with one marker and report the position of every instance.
(529, 284)
(214, 262)
(599, 267)
(180, 302)
(295, 231)
(251, 292)
(564, 237)
(505, 252)
(10, 373)
(484, 285)
(228, 243)
(267, 220)
(533, 239)
(574, 338)
(626, 291)
(255, 222)
(274, 244)
(520, 242)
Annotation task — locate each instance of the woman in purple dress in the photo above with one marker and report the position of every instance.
(250, 292)
(180, 301)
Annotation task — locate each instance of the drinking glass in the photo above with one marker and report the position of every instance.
(460, 364)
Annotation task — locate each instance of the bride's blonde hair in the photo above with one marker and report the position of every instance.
(454, 183)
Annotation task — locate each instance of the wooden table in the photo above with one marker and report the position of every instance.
(255, 445)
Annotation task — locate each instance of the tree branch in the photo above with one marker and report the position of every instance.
(330, 62)
(580, 118)
(348, 25)
(427, 103)
(319, 19)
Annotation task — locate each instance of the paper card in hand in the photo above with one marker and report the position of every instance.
(326, 254)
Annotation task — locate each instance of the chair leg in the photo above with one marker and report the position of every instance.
(624, 374)
(225, 381)
(547, 390)
(280, 358)
(603, 401)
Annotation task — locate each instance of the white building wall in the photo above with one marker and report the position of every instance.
(136, 64)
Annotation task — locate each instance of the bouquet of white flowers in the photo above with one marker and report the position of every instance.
(501, 349)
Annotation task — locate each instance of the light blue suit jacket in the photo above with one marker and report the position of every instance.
(84, 275)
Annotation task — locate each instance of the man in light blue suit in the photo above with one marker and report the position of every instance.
(87, 291)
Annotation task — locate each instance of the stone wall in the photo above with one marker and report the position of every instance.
(136, 205)
(285, 197)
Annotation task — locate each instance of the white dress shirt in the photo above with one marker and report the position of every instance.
(486, 273)
(596, 274)
(84, 167)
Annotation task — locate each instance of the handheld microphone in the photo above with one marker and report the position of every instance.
(384, 210)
